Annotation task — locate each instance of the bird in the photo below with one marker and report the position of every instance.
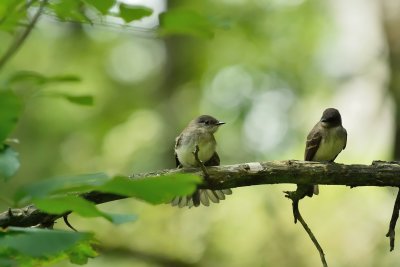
(200, 133)
(325, 141)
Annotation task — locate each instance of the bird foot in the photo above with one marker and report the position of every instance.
(199, 162)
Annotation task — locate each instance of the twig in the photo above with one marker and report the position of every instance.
(295, 196)
(311, 235)
(395, 215)
(65, 217)
(203, 168)
(18, 41)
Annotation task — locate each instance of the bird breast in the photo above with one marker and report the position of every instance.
(331, 145)
(185, 151)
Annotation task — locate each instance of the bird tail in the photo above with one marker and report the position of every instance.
(316, 190)
(201, 196)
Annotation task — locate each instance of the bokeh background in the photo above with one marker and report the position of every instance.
(269, 73)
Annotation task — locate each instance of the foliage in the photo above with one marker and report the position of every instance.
(102, 86)
(33, 247)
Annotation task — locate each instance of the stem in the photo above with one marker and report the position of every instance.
(19, 40)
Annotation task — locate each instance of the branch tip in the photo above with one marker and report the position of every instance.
(296, 196)
(65, 217)
(393, 220)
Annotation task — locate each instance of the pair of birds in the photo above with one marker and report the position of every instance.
(324, 143)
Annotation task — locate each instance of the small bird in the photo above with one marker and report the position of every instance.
(325, 141)
(200, 133)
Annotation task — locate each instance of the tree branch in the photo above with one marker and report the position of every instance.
(379, 173)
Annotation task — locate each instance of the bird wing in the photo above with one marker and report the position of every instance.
(213, 161)
(313, 141)
(177, 144)
(345, 138)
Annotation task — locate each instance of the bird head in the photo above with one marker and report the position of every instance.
(331, 118)
(208, 123)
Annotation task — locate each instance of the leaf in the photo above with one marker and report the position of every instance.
(78, 183)
(36, 242)
(80, 253)
(62, 204)
(130, 13)
(69, 10)
(10, 108)
(122, 218)
(7, 6)
(84, 100)
(103, 6)
(40, 79)
(155, 190)
(12, 15)
(49, 247)
(185, 22)
(7, 262)
(9, 163)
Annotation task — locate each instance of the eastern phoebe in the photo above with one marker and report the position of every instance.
(325, 141)
(199, 132)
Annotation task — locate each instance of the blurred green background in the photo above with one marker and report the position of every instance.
(269, 71)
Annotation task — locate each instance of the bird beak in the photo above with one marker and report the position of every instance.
(220, 123)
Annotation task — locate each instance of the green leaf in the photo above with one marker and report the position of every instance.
(84, 100)
(49, 247)
(69, 10)
(9, 163)
(40, 242)
(130, 13)
(62, 204)
(40, 79)
(121, 218)
(12, 15)
(155, 190)
(185, 22)
(10, 108)
(7, 6)
(7, 262)
(103, 6)
(78, 183)
(80, 253)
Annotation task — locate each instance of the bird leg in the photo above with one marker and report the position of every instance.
(196, 157)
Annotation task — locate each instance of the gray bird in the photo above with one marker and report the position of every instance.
(325, 141)
(200, 132)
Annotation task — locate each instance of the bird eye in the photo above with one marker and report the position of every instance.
(207, 122)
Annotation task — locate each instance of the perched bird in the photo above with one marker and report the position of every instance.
(199, 132)
(325, 141)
